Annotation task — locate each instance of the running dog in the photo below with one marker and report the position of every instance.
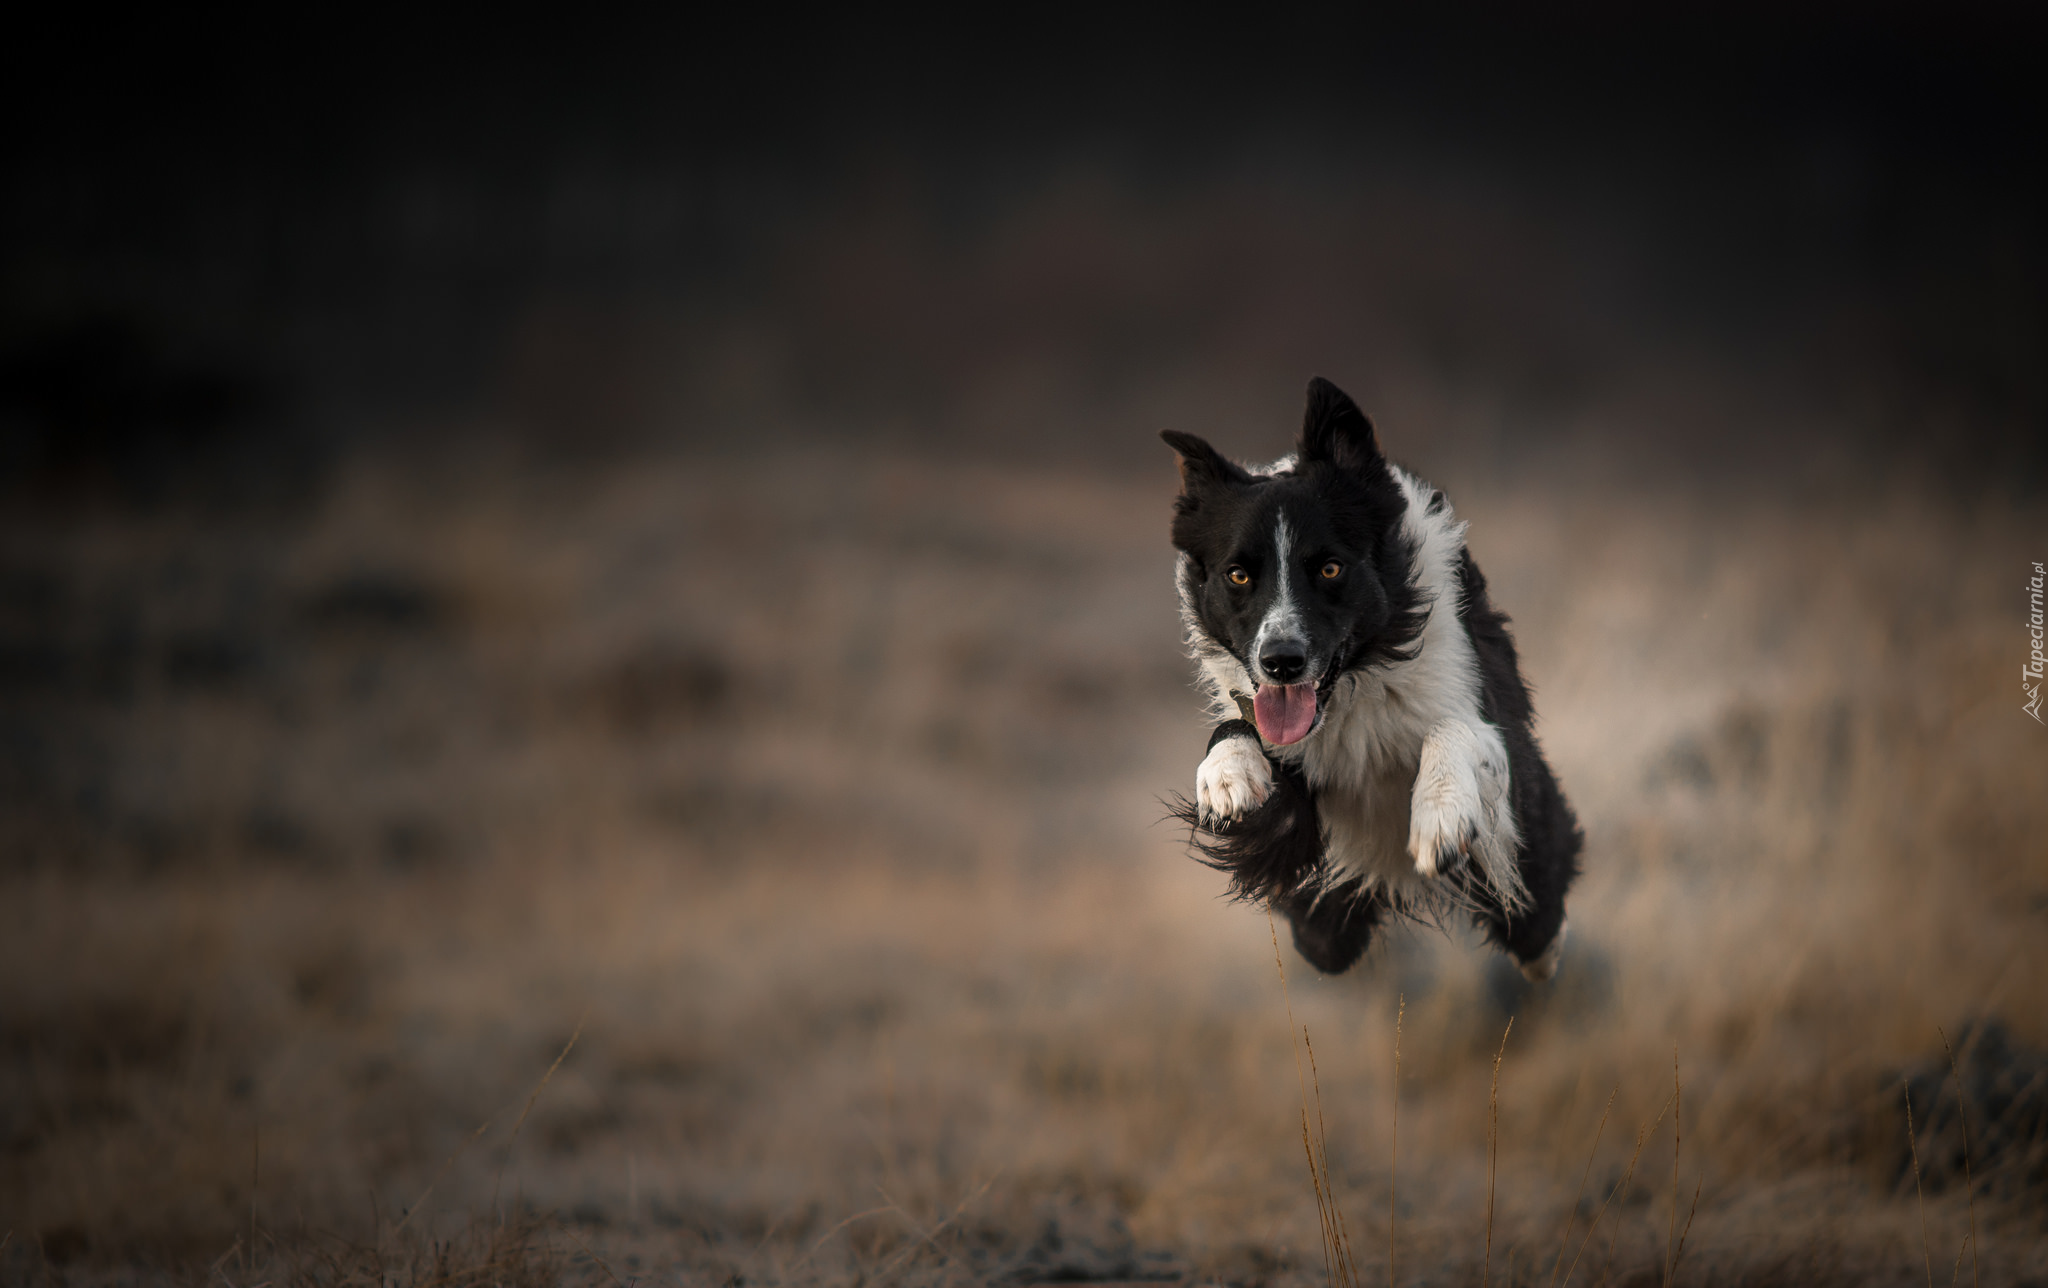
(1376, 753)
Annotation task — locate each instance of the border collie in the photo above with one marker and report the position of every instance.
(1376, 753)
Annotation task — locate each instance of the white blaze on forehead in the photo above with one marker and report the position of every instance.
(1283, 618)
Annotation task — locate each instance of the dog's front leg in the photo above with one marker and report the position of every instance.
(1460, 805)
(1234, 777)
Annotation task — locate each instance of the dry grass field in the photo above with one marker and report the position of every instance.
(750, 869)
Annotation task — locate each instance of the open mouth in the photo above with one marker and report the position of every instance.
(1287, 713)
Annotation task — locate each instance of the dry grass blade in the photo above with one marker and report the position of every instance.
(1347, 1266)
(475, 1257)
(1677, 1146)
(858, 1216)
(1641, 1136)
(1394, 1168)
(589, 1252)
(212, 1270)
(1627, 1178)
(931, 1237)
(1335, 1255)
(1493, 1149)
(406, 1218)
(1315, 1181)
(1571, 1214)
(538, 1087)
(916, 1226)
(1969, 1183)
(1913, 1145)
(255, 1177)
(1314, 1177)
(1691, 1212)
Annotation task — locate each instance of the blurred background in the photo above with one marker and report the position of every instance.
(647, 537)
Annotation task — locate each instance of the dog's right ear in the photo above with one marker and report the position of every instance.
(1202, 467)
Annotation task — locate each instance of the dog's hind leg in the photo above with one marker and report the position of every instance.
(1332, 932)
(1544, 964)
(1533, 932)
(1533, 936)
(1546, 835)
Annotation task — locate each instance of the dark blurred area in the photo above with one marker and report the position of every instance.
(1757, 244)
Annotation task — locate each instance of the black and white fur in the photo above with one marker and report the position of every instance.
(1419, 788)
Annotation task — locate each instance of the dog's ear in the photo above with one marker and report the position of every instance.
(1335, 431)
(1202, 467)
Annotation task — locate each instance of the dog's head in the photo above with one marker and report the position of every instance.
(1300, 575)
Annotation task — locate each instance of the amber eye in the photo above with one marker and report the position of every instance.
(1239, 577)
(1332, 569)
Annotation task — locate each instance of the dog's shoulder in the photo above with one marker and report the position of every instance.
(1504, 694)
(1442, 679)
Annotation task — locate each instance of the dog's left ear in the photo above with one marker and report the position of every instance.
(1335, 431)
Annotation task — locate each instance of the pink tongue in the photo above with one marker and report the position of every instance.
(1284, 712)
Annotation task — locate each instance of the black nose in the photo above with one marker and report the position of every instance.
(1284, 661)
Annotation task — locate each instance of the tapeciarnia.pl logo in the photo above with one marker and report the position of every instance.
(2030, 674)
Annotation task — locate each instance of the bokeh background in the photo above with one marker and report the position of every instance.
(588, 668)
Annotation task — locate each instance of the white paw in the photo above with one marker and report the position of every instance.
(1460, 798)
(1234, 779)
(1441, 830)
